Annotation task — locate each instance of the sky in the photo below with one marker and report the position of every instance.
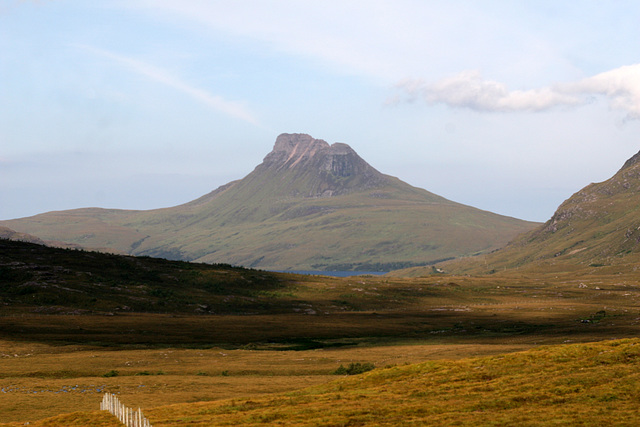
(508, 106)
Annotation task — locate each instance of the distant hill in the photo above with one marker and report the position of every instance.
(308, 206)
(9, 234)
(598, 226)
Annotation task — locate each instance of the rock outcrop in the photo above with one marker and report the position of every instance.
(325, 170)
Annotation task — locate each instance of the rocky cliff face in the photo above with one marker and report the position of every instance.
(291, 150)
(317, 168)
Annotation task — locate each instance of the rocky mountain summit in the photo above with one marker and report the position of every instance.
(317, 168)
(308, 206)
(330, 162)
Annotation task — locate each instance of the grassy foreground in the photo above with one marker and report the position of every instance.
(38, 381)
(54, 364)
(210, 345)
(577, 384)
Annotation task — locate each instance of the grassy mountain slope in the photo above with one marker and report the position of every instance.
(309, 205)
(598, 226)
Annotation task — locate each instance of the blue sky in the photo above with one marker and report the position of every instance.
(509, 106)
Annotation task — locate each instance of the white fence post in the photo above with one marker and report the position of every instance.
(127, 416)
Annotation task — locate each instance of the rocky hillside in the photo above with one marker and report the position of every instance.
(598, 226)
(309, 205)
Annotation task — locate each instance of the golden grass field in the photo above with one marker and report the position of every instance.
(448, 351)
(575, 384)
(44, 381)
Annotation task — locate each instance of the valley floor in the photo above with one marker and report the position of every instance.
(569, 384)
(40, 381)
(447, 350)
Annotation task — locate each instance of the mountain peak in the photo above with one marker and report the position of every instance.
(290, 142)
(291, 149)
(319, 169)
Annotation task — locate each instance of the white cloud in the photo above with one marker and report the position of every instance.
(231, 108)
(621, 87)
(469, 90)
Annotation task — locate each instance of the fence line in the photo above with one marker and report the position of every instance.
(127, 416)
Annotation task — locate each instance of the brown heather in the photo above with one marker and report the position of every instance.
(575, 384)
(185, 364)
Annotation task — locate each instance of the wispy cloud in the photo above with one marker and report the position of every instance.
(621, 88)
(378, 40)
(231, 108)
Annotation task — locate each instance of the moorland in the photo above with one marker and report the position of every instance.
(238, 346)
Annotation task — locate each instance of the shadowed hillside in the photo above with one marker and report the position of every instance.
(50, 280)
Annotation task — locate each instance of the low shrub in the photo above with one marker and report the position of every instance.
(354, 368)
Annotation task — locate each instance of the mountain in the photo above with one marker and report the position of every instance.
(308, 206)
(597, 226)
(9, 234)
